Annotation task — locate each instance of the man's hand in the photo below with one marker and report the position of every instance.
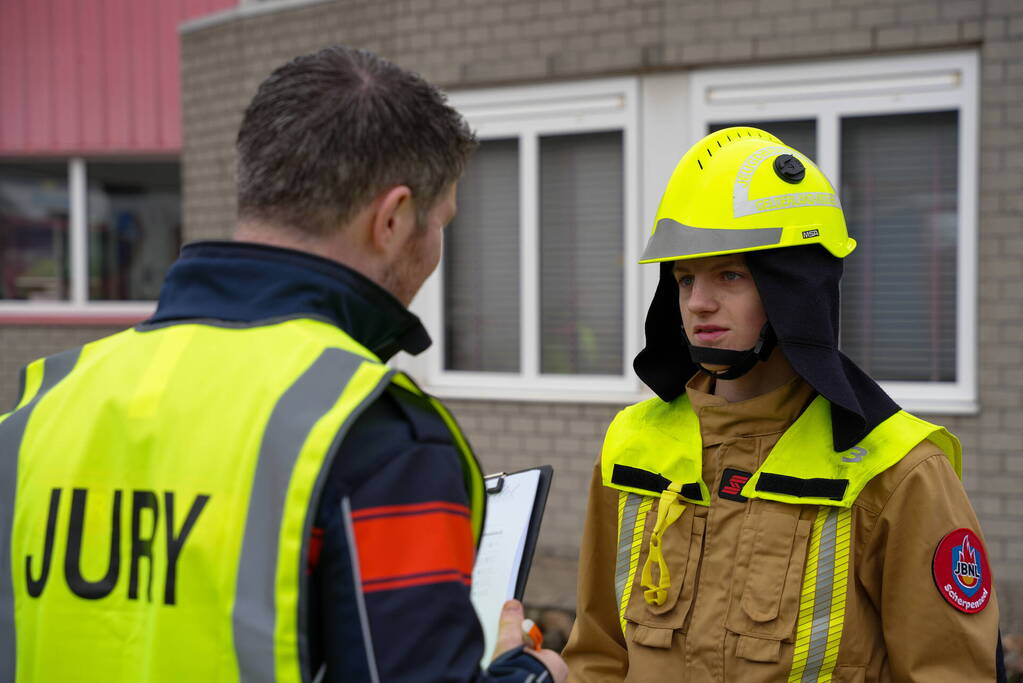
(510, 635)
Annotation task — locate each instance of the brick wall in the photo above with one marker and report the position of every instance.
(23, 344)
(465, 43)
(510, 436)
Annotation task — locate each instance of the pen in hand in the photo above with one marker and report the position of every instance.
(532, 636)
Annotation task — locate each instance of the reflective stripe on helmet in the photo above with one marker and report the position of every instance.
(672, 240)
(785, 201)
(742, 205)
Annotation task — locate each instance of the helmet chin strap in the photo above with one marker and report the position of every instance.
(739, 362)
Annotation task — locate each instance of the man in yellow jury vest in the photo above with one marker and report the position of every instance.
(240, 488)
(772, 515)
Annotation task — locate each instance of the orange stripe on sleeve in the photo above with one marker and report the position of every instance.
(413, 545)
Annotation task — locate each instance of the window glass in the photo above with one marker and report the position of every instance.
(581, 252)
(34, 210)
(899, 192)
(134, 211)
(481, 264)
(800, 135)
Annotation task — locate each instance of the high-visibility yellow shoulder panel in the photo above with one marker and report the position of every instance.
(652, 444)
(803, 467)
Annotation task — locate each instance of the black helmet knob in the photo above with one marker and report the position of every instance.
(789, 168)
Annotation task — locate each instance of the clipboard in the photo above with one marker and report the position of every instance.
(495, 485)
(515, 507)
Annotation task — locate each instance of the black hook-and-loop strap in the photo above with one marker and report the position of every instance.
(637, 478)
(802, 488)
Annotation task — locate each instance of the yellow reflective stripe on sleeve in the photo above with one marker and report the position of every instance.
(822, 602)
(632, 512)
(470, 466)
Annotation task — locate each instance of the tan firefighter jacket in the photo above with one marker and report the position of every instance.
(709, 579)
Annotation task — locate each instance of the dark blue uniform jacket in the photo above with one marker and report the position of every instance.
(397, 468)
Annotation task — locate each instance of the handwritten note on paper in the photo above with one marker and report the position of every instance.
(500, 555)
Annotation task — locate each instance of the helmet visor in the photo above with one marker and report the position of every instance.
(672, 240)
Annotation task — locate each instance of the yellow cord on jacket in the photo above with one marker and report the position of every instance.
(669, 509)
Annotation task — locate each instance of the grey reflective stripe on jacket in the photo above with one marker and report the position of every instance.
(299, 408)
(12, 430)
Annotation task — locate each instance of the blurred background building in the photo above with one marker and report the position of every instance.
(117, 124)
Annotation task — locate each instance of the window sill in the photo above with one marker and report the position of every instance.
(65, 315)
(916, 398)
(940, 406)
(935, 398)
(549, 389)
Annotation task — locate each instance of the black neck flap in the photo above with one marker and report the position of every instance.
(799, 289)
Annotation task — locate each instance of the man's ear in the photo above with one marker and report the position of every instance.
(394, 219)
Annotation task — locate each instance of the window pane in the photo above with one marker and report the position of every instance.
(799, 135)
(581, 217)
(481, 264)
(899, 293)
(34, 210)
(134, 227)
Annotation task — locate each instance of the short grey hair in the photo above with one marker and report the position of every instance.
(327, 132)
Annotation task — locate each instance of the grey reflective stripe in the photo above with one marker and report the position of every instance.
(12, 430)
(822, 598)
(303, 594)
(630, 511)
(360, 599)
(785, 201)
(742, 205)
(298, 409)
(672, 239)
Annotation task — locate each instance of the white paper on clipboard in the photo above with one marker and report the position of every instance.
(509, 513)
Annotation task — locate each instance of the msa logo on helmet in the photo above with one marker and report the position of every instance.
(966, 567)
(807, 234)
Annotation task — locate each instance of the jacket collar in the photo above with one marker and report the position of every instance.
(248, 282)
(768, 413)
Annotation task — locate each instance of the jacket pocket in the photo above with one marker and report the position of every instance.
(682, 545)
(765, 591)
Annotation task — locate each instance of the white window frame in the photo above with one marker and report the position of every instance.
(526, 113)
(827, 91)
(78, 305)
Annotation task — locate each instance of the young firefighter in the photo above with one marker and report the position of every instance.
(772, 515)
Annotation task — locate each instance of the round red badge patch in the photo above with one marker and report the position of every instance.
(961, 571)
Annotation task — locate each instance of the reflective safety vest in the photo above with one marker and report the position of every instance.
(157, 491)
(653, 455)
